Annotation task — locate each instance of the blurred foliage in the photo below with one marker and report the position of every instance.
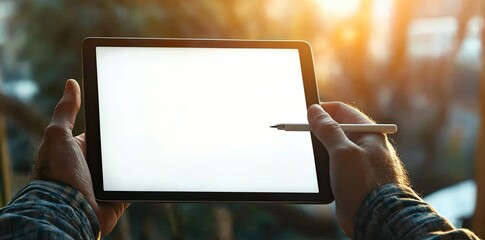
(52, 31)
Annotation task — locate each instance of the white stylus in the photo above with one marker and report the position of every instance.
(348, 128)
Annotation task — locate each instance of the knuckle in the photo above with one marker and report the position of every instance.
(325, 126)
(323, 119)
(55, 130)
(375, 143)
(347, 151)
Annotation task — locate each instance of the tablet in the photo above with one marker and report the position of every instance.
(188, 120)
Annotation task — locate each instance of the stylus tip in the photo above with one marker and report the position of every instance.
(274, 126)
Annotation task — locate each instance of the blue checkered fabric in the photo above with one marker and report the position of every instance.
(396, 212)
(48, 210)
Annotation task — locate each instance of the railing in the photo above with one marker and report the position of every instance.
(5, 169)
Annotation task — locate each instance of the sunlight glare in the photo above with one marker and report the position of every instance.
(340, 7)
(349, 34)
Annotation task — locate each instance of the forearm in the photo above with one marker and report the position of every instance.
(48, 210)
(396, 212)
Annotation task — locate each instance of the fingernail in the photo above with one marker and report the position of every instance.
(66, 87)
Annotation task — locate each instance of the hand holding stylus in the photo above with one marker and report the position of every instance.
(358, 164)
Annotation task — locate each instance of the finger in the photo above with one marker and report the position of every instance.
(325, 128)
(66, 110)
(81, 141)
(109, 215)
(343, 113)
(81, 137)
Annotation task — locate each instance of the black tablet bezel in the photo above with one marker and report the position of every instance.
(93, 150)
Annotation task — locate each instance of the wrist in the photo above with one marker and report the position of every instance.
(61, 193)
(379, 210)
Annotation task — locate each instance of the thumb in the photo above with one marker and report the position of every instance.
(66, 110)
(325, 128)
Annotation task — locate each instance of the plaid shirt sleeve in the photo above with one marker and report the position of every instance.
(396, 212)
(48, 210)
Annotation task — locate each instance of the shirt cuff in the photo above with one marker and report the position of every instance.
(60, 193)
(396, 211)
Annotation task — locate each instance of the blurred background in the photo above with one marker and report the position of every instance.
(416, 63)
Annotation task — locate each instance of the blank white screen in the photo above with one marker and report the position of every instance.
(197, 119)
